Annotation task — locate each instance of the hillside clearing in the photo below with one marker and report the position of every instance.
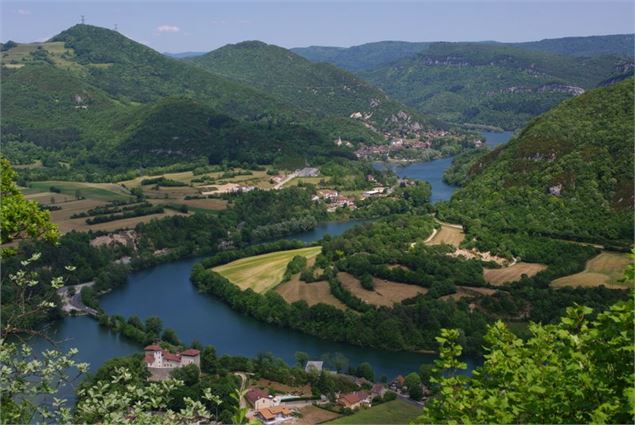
(392, 412)
(263, 272)
(513, 273)
(448, 234)
(605, 269)
(386, 292)
(468, 292)
(313, 293)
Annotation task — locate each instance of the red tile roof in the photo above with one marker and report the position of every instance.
(190, 352)
(255, 394)
(149, 358)
(153, 347)
(171, 356)
(351, 399)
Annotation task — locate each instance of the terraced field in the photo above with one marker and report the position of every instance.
(605, 269)
(263, 272)
(392, 412)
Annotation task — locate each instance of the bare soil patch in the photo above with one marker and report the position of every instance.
(513, 273)
(283, 388)
(386, 293)
(312, 415)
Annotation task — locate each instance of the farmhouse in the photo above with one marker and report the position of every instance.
(163, 362)
(354, 400)
(273, 414)
(259, 399)
(378, 390)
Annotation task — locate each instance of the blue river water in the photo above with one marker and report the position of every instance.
(432, 171)
(167, 292)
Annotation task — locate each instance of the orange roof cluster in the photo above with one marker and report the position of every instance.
(270, 413)
(353, 398)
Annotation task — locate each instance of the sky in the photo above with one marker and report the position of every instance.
(178, 26)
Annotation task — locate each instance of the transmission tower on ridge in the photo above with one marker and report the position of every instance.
(82, 19)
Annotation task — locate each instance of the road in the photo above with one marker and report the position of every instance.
(287, 179)
(74, 303)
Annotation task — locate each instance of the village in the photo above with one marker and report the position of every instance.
(268, 402)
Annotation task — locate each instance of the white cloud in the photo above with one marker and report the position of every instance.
(168, 28)
(24, 12)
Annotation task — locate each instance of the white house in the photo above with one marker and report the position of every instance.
(158, 358)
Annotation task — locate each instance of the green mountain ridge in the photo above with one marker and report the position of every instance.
(491, 84)
(82, 97)
(371, 55)
(568, 174)
(321, 89)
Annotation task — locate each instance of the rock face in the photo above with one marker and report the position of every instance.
(556, 190)
(545, 88)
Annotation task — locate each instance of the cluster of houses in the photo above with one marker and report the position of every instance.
(334, 199)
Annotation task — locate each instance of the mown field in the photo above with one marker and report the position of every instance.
(447, 234)
(386, 293)
(313, 293)
(263, 272)
(605, 269)
(392, 412)
(513, 273)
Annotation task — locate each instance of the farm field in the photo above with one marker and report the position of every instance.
(447, 234)
(263, 272)
(513, 273)
(386, 292)
(99, 191)
(312, 415)
(467, 292)
(605, 269)
(392, 412)
(313, 293)
(67, 224)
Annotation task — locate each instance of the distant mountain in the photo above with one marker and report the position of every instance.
(597, 45)
(568, 174)
(371, 55)
(318, 88)
(183, 55)
(491, 84)
(362, 57)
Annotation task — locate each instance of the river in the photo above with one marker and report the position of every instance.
(432, 171)
(167, 292)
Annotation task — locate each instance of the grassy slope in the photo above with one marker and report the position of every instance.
(392, 412)
(585, 145)
(465, 82)
(320, 88)
(262, 272)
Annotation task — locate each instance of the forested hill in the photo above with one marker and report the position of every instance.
(371, 55)
(82, 98)
(569, 174)
(129, 70)
(595, 45)
(362, 57)
(491, 84)
(318, 88)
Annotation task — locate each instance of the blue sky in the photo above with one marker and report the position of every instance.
(205, 25)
